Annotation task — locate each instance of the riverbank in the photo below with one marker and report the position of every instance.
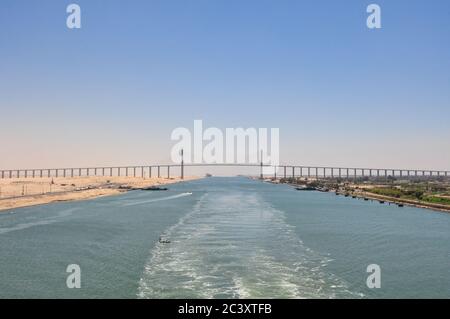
(23, 192)
(376, 190)
(408, 202)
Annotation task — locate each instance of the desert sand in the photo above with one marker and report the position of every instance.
(21, 192)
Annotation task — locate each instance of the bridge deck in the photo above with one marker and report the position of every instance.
(278, 171)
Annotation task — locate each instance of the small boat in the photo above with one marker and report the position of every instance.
(305, 188)
(163, 241)
(154, 188)
(381, 201)
(353, 196)
(366, 198)
(347, 195)
(400, 205)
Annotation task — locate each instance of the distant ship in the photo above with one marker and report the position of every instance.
(208, 175)
(154, 188)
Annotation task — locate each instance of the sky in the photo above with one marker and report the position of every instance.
(112, 92)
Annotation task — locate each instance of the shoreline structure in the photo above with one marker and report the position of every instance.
(25, 192)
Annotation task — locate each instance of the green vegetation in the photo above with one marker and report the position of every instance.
(436, 200)
(388, 191)
(424, 194)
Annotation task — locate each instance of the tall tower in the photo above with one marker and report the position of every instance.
(261, 170)
(182, 164)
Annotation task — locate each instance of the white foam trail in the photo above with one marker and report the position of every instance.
(157, 199)
(45, 221)
(236, 245)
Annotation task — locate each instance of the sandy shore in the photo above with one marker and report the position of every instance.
(22, 192)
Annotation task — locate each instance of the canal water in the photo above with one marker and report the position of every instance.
(229, 238)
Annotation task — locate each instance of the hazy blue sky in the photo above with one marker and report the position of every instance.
(113, 91)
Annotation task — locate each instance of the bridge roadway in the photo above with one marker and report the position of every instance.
(282, 171)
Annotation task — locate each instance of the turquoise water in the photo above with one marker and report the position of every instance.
(230, 238)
